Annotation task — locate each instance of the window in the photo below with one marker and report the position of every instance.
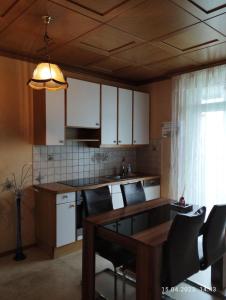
(198, 148)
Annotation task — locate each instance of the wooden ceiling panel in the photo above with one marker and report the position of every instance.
(6, 6)
(68, 24)
(101, 10)
(11, 9)
(111, 40)
(108, 65)
(218, 23)
(26, 33)
(135, 40)
(152, 19)
(196, 36)
(203, 9)
(209, 55)
(174, 64)
(144, 54)
(137, 74)
(72, 54)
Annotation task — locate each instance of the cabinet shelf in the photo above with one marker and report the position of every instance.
(82, 134)
(85, 140)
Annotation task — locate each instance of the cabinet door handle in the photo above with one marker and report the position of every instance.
(65, 196)
(114, 142)
(119, 142)
(71, 206)
(61, 141)
(134, 142)
(97, 124)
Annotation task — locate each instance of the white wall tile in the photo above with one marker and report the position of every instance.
(76, 160)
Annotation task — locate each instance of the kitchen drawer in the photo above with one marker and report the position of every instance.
(64, 198)
(115, 188)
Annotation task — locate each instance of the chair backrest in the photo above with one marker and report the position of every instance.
(180, 252)
(133, 193)
(214, 245)
(97, 201)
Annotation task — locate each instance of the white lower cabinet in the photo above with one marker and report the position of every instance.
(152, 189)
(152, 192)
(65, 219)
(117, 200)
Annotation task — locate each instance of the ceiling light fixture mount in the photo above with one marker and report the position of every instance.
(47, 75)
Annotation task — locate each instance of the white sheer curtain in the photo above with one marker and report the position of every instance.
(198, 146)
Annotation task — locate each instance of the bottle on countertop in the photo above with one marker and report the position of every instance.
(123, 168)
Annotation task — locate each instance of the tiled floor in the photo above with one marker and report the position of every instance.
(39, 278)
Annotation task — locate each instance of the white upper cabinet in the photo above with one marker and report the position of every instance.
(48, 117)
(140, 118)
(83, 104)
(55, 131)
(108, 115)
(125, 100)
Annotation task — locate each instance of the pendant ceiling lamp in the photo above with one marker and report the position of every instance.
(46, 75)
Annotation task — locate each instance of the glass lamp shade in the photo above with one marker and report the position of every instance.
(47, 76)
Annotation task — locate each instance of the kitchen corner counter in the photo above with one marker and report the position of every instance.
(58, 188)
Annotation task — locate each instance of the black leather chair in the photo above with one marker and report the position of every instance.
(98, 201)
(180, 258)
(180, 251)
(213, 232)
(132, 193)
(212, 246)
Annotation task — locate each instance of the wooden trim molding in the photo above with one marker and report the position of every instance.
(96, 11)
(109, 51)
(9, 252)
(193, 47)
(67, 249)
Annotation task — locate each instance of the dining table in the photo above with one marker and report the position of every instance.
(141, 229)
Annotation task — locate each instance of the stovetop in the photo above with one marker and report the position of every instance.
(83, 181)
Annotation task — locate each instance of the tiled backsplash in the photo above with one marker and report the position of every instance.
(76, 160)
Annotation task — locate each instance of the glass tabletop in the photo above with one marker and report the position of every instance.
(141, 221)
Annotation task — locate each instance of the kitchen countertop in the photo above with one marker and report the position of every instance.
(58, 188)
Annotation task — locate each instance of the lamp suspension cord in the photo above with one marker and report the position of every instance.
(47, 20)
(46, 41)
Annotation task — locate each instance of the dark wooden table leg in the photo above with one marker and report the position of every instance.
(88, 262)
(148, 273)
(218, 273)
